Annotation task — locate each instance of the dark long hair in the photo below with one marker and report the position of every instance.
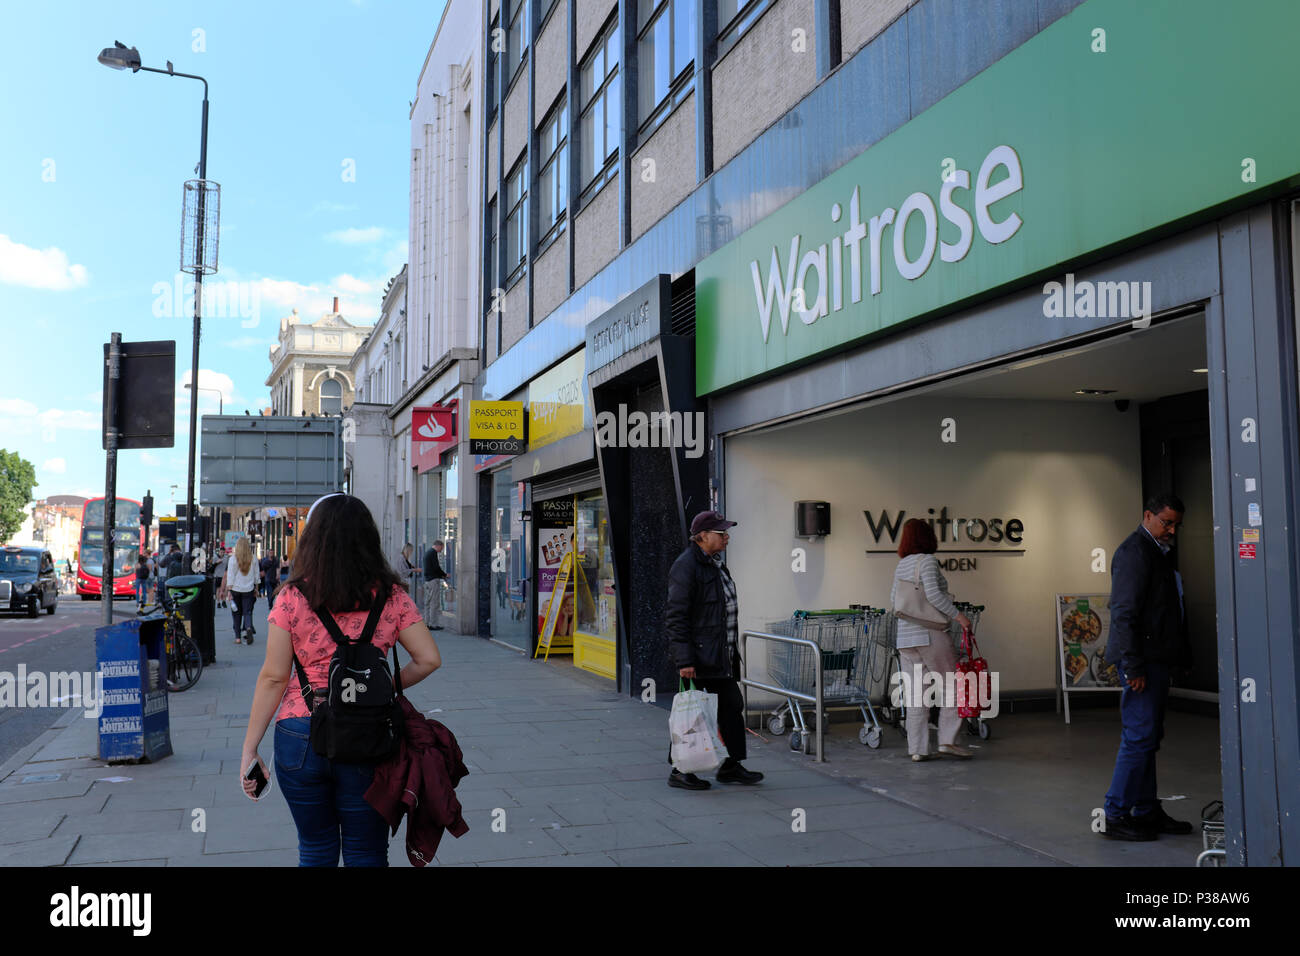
(339, 559)
(918, 538)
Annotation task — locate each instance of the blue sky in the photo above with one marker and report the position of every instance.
(91, 178)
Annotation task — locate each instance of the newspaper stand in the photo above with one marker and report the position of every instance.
(133, 721)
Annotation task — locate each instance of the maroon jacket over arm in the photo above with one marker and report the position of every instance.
(420, 782)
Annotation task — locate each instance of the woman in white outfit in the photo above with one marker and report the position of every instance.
(241, 590)
(930, 649)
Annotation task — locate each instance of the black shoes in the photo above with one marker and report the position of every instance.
(249, 635)
(687, 781)
(1124, 828)
(732, 771)
(1157, 821)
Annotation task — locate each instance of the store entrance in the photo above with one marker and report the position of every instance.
(1067, 446)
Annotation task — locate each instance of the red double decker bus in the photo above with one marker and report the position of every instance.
(129, 542)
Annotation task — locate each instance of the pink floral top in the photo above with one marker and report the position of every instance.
(314, 646)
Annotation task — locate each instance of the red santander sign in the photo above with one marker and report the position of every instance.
(433, 431)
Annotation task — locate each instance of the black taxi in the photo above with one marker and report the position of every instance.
(28, 581)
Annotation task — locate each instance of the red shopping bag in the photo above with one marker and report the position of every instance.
(968, 701)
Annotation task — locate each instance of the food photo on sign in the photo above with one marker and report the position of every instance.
(1083, 627)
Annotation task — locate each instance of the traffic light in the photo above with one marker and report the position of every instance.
(288, 529)
(146, 510)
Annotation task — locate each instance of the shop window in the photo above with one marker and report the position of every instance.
(594, 599)
(552, 180)
(665, 55)
(599, 92)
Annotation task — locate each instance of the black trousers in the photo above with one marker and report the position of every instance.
(241, 609)
(731, 714)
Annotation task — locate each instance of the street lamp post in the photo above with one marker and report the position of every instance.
(220, 397)
(121, 57)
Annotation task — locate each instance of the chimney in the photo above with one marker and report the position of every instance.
(336, 305)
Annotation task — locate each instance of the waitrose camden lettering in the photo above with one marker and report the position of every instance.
(950, 530)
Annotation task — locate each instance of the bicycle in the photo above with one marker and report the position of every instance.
(184, 660)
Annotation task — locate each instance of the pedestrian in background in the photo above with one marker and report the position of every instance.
(219, 577)
(1148, 639)
(701, 619)
(241, 590)
(340, 570)
(270, 568)
(434, 581)
(141, 581)
(923, 651)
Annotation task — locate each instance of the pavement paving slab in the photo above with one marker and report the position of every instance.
(564, 772)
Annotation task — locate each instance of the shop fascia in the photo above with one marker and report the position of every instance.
(785, 284)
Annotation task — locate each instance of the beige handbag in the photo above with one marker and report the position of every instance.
(911, 604)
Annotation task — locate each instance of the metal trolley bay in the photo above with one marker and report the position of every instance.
(846, 642)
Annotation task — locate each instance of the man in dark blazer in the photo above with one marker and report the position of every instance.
(700, 618)
(1148, 641)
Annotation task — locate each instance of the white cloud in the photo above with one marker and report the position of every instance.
(350, 283)
(395, 258)
(356, 236)
(38, 268)
(55, 466)
(149, 459)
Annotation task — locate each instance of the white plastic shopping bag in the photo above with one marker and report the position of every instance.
(693, 725)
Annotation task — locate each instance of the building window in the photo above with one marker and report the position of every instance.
(494, 61)
(331, 397)
(599, 93)
(516, 219)
(490, 271)
(735, 17)
(665, 54)
(552, 181)
(516, 39)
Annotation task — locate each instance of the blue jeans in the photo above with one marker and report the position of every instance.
(141, 590)
(327, 800)
(1133, 788)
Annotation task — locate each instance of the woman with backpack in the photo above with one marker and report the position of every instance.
(342, 602)
(240, 588)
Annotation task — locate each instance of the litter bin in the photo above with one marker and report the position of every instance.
(133, 722)
(200, 614)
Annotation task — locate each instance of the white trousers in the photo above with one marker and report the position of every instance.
(935, 658)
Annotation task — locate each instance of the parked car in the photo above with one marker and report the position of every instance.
(28, 580)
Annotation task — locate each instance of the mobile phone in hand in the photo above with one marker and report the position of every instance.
(254, 773)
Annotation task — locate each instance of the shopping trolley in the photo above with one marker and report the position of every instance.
(975, 726)
(1212, 835)
(845, 644)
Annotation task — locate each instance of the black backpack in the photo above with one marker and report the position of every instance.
(359, 717)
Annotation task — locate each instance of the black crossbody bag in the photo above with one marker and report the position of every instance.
(358, 718)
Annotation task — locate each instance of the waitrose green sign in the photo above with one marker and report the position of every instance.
(1120, 119)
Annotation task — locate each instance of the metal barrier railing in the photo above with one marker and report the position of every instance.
(815, 698)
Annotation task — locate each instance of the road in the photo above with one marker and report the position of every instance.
(63, 641)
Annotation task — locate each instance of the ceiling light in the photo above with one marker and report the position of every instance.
(1201, 371)
(1094, 391)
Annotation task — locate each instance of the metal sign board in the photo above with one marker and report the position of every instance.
(146, 399)
(255, 460)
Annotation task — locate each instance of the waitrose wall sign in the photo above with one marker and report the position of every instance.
(1075, 142)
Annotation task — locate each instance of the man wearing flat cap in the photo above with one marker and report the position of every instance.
(700, 617)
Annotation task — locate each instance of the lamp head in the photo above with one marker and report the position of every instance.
(119, 57)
